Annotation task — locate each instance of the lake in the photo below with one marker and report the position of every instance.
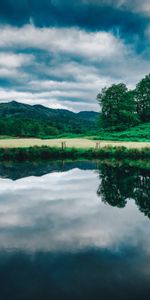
(74, 230)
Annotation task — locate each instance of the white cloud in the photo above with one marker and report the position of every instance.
(44, 98)
(53, 99)
(68, 67)
(8, 73)
(139, 6)
(97, 45)
(12, 60)
(134, 6)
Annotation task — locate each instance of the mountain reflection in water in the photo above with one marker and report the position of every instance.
(79, 230)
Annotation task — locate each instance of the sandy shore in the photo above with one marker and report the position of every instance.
(76, 143)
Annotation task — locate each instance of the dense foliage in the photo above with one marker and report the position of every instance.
(23, 120)
(15, 126)
(117, 107)
(45, 153)
(142, 99)
(121, 108)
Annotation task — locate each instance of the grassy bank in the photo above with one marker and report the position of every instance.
(140, 133)
(49, 153)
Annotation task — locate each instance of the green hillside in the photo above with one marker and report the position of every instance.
(24, 120)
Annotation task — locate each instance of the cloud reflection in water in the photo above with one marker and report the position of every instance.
(61, 211)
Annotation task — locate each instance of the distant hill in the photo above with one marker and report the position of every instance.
(17, 119)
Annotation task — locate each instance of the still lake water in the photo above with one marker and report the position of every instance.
(73, 231)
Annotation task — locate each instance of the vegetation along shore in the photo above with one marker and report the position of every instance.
(55, 153)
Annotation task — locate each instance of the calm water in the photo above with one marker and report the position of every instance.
(74, 231)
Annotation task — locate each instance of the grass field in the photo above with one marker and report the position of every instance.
(140, 133)
(70, 143)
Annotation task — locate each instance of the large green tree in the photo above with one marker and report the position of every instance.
(117, 107)
(142, 99)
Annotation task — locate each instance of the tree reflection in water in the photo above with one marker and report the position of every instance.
(118, 184)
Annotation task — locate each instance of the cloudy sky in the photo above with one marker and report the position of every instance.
(60, 53)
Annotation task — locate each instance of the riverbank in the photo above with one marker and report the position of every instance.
(79, 143)
(55, 153)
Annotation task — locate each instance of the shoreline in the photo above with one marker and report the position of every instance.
(56, 153)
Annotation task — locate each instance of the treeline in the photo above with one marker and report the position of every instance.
(31, 127)
(16, 126)
(122, 108)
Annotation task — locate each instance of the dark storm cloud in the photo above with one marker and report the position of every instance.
(91, 15)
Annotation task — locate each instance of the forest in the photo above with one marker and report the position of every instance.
(23, 120)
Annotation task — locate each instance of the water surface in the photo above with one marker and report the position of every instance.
(74, 231)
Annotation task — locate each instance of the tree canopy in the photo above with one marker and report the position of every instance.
(118, 107)
(142, 99)
(122, 108)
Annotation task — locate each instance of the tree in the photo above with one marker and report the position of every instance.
(142, 99)
(118, 108)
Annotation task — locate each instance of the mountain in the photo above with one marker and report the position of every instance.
(17, 119)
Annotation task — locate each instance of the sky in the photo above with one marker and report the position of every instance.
(61, 53)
